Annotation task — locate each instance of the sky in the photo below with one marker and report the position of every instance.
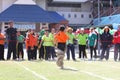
(24, 2)
(70, 0)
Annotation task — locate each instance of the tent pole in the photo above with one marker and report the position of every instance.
(98, 27)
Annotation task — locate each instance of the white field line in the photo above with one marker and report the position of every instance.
(95, 75)
(33, 72)
(91, 74)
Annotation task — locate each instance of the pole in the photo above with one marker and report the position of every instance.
(98, 27)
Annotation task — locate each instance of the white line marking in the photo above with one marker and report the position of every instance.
(33, 72)
(92, 74)
(95, 75)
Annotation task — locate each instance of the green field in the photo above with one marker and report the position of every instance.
(48, 70)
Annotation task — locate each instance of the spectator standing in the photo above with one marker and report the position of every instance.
(12, 41)
(106, 41)
(116, 41)
(70, 44)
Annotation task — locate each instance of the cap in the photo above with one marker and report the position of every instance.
(82, 29)
(69, 29)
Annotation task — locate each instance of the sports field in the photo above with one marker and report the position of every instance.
(48, 70)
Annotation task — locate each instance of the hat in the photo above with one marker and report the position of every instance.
(91, 28)
(82, 29)
(69, 29)
(106, 27)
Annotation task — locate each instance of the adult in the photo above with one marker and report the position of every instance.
(70, 44)
(106, 41)
(116, 41)
(12, 40)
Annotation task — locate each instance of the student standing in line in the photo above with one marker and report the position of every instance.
(35, 46)
(2, 41)
(52, 35)
(40, 45)
(30, 49)
(20, 41)
(92, 42)
(82, 41)
(47, 43)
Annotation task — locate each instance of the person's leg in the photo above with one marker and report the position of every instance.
(95, 52)
(46, 52)
(60, 61)
(18, 50)
(52, 52)
(84, 51)
(107, 53)
(22, 51)
(91, 52)
(116, 52)
(0, 52)
(102, 53)
(29, 53)
(9, 51)
(68, 52)
(72, 48)
(35, 53)
(119, 51)
(14, 50)
(80, 51)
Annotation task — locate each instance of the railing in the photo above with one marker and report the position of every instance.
(107, 12)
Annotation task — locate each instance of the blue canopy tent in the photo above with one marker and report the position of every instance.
(109, 20)
(29, 13)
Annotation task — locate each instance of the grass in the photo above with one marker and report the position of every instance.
(48, 70)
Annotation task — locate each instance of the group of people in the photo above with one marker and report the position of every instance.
(50, 44)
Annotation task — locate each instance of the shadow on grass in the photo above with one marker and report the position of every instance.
(69, 69)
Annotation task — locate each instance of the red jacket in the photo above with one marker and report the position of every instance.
(116, 37)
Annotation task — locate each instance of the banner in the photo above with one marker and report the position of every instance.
(24, 26)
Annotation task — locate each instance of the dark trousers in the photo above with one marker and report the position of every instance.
(106, 49)
(41, 52)
(47, 52)
(11, 48)
(117, 52)
(30, 53)
(35, 52)
(82, 51)
(20, 50)
(62, 46)
(92, 48)
(1, 52)
(52, 52)
(70, 47)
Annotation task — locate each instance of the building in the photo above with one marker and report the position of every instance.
(77, 12)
